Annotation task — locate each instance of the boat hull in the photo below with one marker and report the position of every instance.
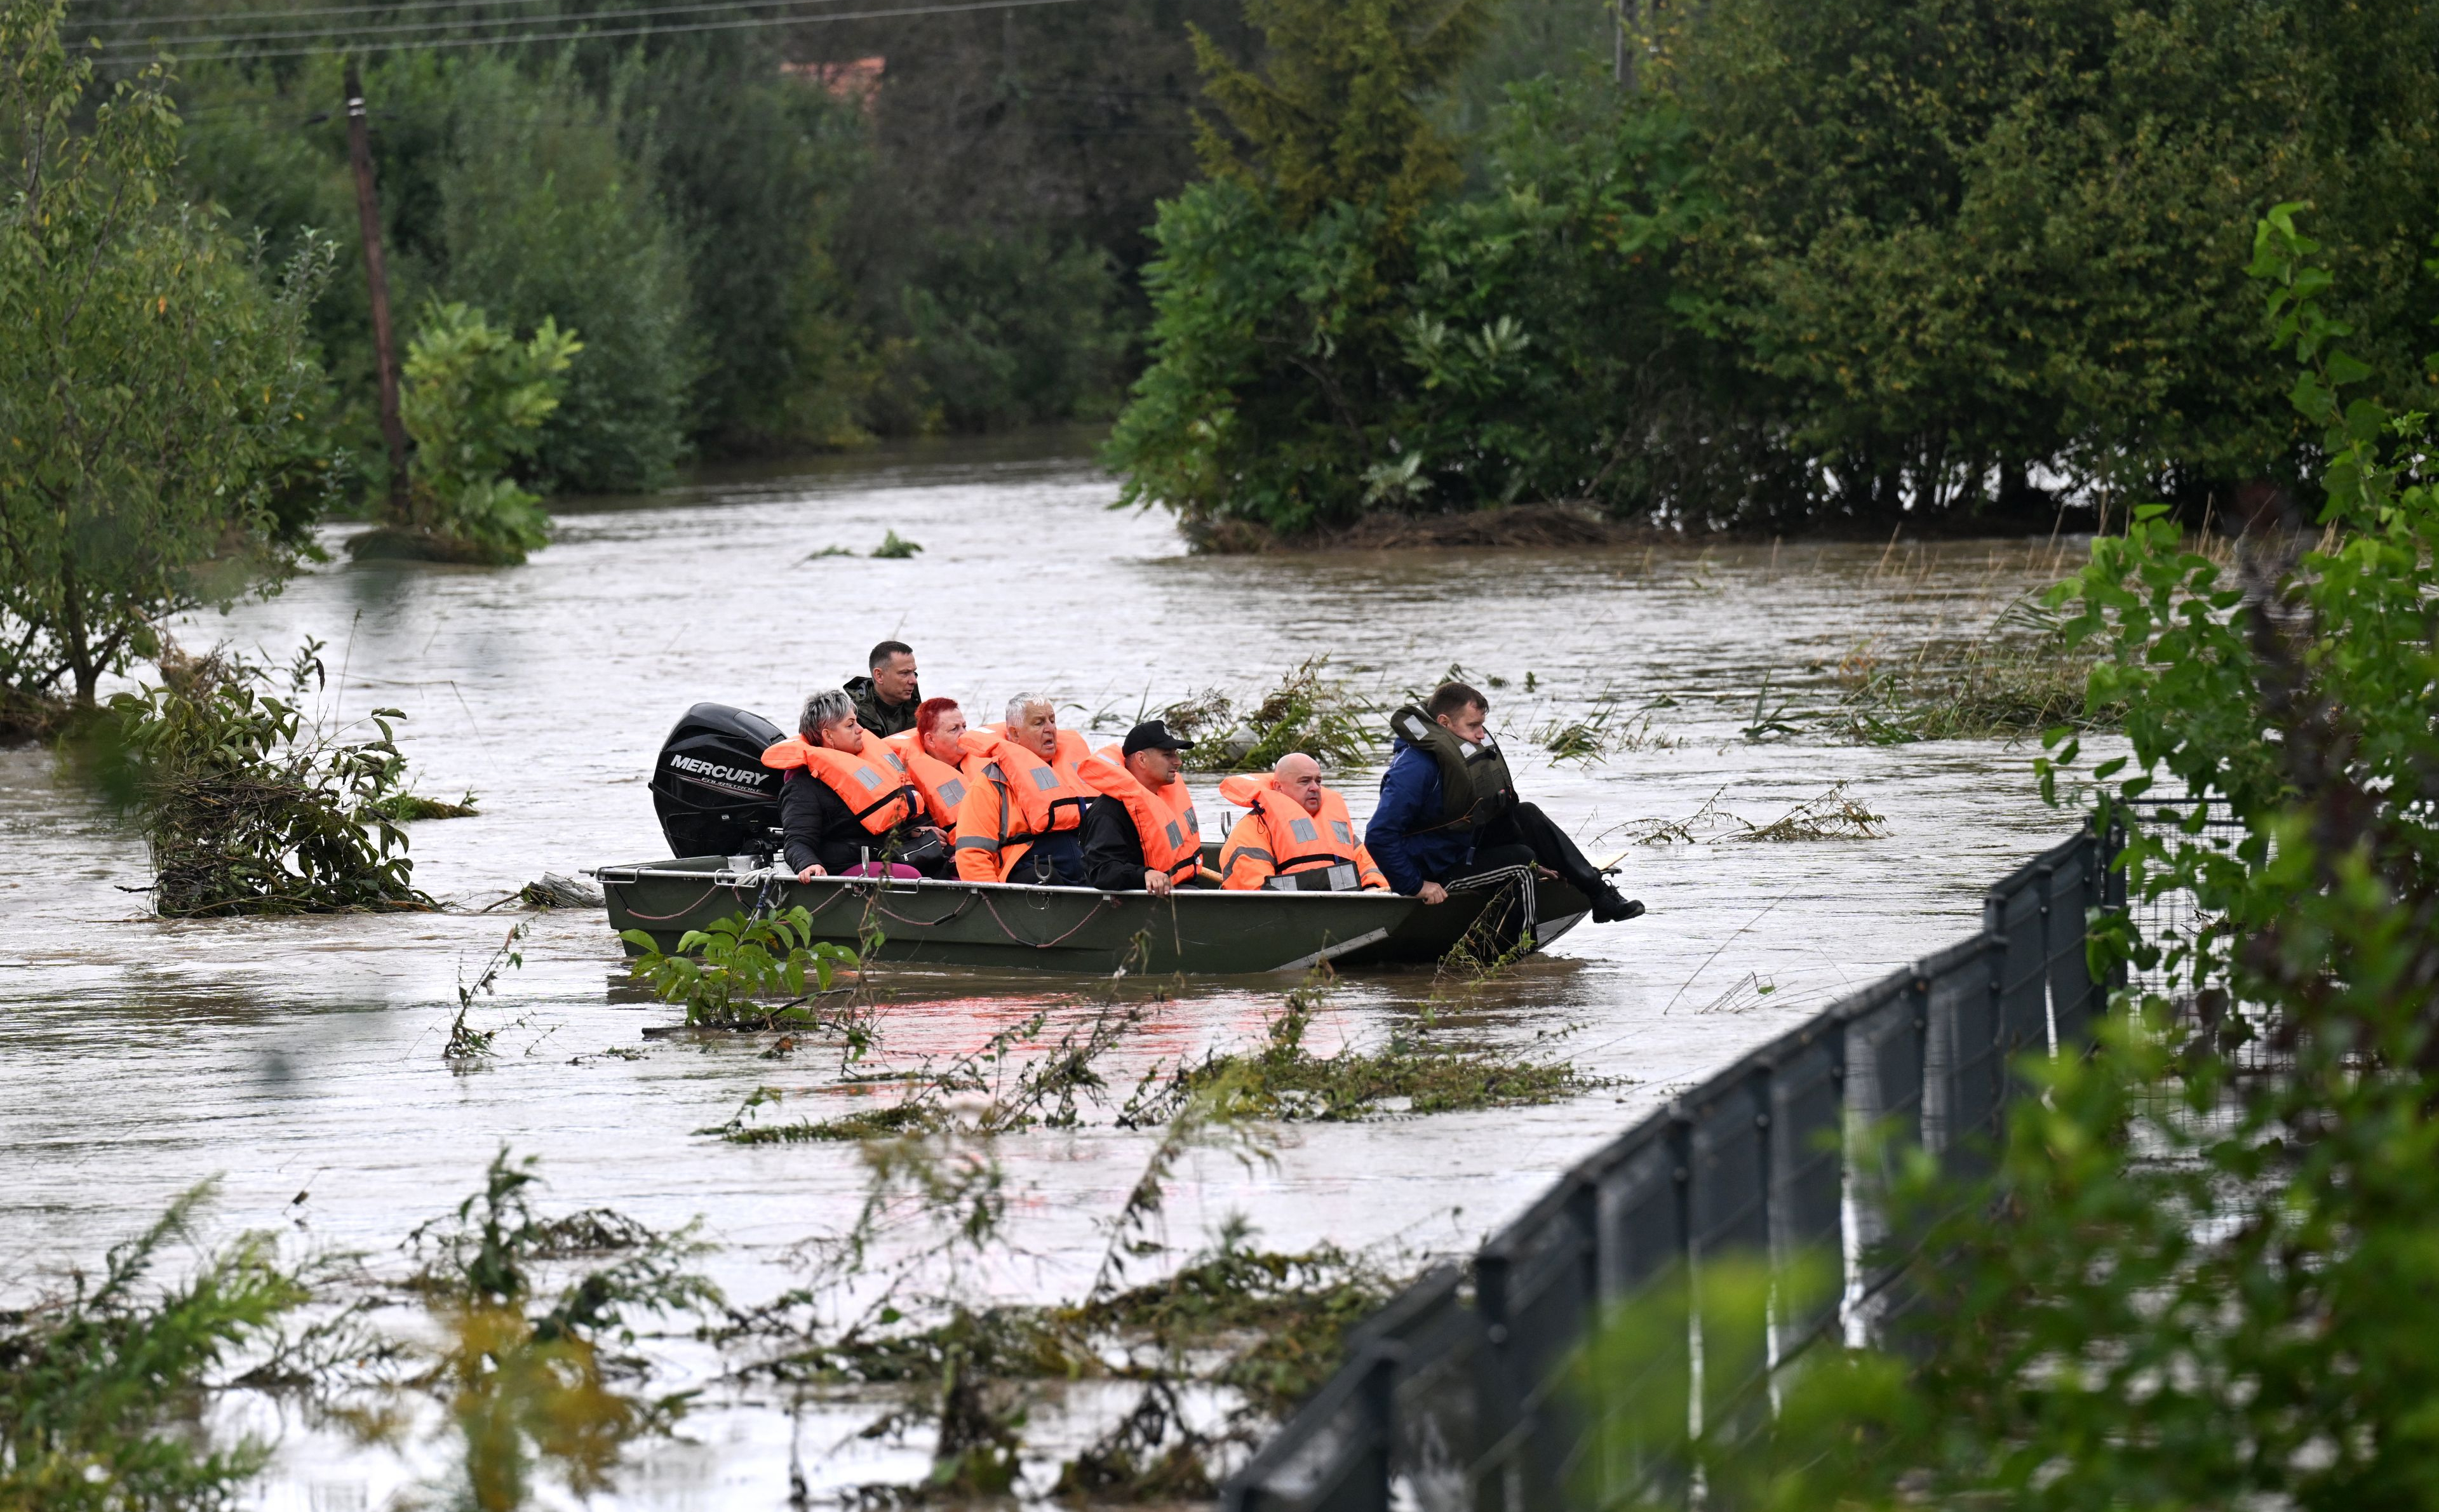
(1079, 929)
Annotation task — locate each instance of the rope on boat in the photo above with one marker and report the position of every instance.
(1042, 945)
(949, 917)
(663, 918)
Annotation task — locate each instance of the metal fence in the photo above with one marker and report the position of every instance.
(1455, 1401)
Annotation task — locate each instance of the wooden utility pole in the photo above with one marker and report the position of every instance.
(360, 152)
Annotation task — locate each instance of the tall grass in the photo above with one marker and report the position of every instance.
(2017, 677)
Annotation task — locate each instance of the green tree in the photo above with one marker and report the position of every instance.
(2197, 1275)
(545, 216)
(476, 400)
(1338, 112)
(1276, 371)
(158, 395)
(1960, 242)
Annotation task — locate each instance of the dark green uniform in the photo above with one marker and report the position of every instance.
(879, 718)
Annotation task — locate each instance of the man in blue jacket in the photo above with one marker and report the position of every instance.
(1447, 810)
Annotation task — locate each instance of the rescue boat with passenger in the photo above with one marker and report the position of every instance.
(717, 807)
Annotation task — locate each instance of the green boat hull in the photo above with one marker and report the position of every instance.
(1196, 930)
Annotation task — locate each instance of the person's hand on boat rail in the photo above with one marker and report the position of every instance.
(1158, 884)
(1431, 893)
(816, 869)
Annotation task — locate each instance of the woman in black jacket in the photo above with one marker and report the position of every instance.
(824, 837)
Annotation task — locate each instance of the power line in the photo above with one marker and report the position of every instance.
(197, 16)
(308, 34)
(588, 35)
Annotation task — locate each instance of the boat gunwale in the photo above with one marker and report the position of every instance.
(743, 882)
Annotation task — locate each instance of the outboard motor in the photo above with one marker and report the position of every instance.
(709, 786)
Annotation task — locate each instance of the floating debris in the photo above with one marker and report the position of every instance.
(554, 891)
(1833, 815)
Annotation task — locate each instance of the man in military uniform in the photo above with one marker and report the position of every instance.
(1448, 809)
(886, 701)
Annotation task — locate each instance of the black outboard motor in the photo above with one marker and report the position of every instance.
(709, 786)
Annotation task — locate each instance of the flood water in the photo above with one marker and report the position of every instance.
(298, 1060)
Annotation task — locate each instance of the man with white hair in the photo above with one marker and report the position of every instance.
(1299, 836)
(1024, 800)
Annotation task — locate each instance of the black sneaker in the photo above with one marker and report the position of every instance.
(1611, 908)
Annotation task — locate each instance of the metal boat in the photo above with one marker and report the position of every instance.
(712, 793)
(1196, 930)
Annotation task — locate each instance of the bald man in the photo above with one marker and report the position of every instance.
(1298, 837)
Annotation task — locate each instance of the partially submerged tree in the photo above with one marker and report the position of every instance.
(157, 392)
(476, 402)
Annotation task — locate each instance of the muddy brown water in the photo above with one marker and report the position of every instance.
(298, 1060)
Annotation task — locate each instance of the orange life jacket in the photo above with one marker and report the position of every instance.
(873, 783)
(1180, 801)
(1049, 795)
(1297, 841)
(1033, 797)
(1171, 843)
(943, 787)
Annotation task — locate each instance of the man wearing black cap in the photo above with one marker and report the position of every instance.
(1113, 841)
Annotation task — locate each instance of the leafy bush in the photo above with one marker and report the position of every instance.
(475, 401)
(247, 807)
(745, 959)
(156, 388)
(1308, 711)
(1520, 348)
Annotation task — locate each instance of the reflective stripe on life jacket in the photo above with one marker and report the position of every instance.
(873, 783)
(1294, 841)
(1169, 841)
(1049, 795)
(943, 787)
(1012, 797)
(1180, 801)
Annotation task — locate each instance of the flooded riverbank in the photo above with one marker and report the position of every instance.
(300, 1061)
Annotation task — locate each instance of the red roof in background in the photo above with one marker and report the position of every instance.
(857, 79)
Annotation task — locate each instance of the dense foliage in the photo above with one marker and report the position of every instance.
(157, 389)
(250, 808)
(475, 400)
(762, 254)
(2193, 1279)
(1827, 262)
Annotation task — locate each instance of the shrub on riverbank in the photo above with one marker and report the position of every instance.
(476, 400)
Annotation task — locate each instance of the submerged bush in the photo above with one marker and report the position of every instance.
(1308, 711)
(475, 401)
(246, 806)
(744, 962)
